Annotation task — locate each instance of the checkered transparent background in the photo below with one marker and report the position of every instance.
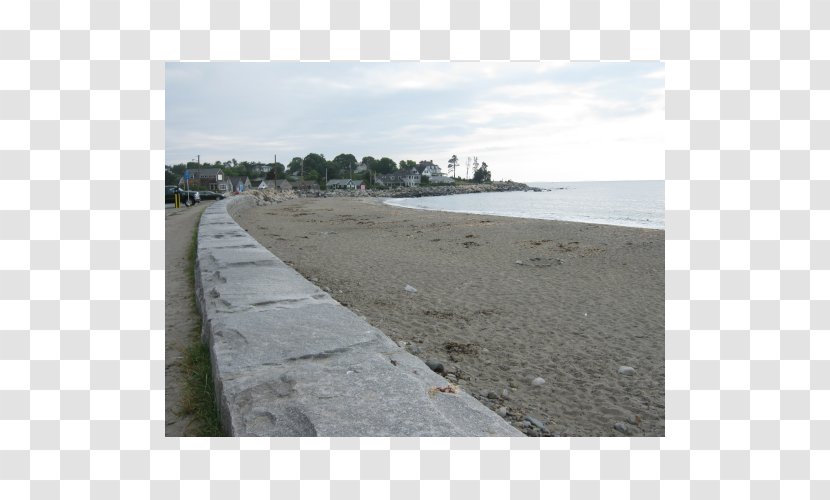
(747, 248)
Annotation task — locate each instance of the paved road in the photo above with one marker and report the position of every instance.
(181, 320)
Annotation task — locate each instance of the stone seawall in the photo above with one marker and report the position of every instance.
(288, 360)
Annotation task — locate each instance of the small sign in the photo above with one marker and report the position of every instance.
(186, 174)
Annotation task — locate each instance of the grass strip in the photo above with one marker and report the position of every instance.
(199, 398)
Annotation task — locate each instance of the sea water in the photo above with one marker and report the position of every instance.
(618, 203)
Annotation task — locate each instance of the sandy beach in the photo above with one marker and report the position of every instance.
(500, 302)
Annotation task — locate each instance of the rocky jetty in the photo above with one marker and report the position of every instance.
(435, 190)
(267, 196)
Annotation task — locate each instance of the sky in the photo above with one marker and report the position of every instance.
(530, 122)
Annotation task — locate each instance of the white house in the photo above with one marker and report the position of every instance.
(429, 169)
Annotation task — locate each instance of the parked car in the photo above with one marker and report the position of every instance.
(211, 195)
(186, 199)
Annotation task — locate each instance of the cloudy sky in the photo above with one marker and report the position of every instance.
(527, 121)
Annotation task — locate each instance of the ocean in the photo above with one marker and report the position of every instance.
(617, 203)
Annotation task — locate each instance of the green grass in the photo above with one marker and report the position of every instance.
(199, 398)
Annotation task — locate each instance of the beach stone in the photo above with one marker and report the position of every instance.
(519, 262)
(505, 394)
(619, 426)
(634, 419)
(625, 370)
(412, 348)
(502, 411)
(492, 395)
(452, 378)
(538, 381)
(435, 366)
(535, 421)
(410, 289)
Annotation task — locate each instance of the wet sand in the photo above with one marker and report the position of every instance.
(500, 301)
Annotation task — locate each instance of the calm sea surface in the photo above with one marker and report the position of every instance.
(619, 203)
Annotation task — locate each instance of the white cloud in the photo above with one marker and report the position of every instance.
(528, 121)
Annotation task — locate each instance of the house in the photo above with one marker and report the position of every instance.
(388, 180)
(239, 184)
(409, 177)
(265, 184)
(338, 184)
(429, 169)
(344, 184)
(261, 168)
(406, 177)
(282, 185)
(308, 186)
(211, 179)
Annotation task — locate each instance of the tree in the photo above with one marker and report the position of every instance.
(452, 164)
(342, 164)
(277, 171)
(407, 164)
(369, 161)
(295, 165)
(385, 166)
(482, 174)
(314, 162)
(170, 178)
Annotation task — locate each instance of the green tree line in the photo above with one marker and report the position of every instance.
(315, 167)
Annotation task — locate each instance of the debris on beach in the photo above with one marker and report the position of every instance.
(634, 420)
(538, 381)
(410, 289)
(519, 262)
(458, 348)
(449, 389)
(625, 370)
(502, 411)
(621, 427)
